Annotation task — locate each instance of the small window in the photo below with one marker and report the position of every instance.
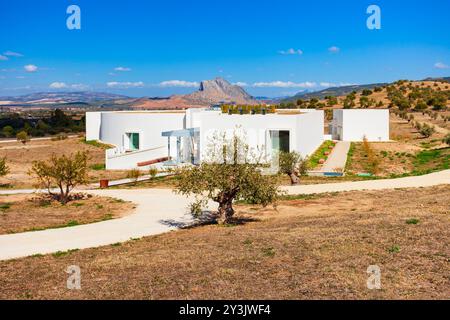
(133, 141)
(280, 140)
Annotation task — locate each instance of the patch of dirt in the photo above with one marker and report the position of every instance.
(20, 213)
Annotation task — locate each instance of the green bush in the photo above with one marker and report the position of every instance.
(23, 137)
(446, 140)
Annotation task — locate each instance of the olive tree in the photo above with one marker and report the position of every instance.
(4, 169)
(23, 137)
(64, 172)
(446, 139)
(231, 172)
(427, 131)
(292, 164)
(8, 131)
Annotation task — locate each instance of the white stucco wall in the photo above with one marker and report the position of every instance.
(310, 132)
(129, 161)
(192, 116)
(149, 126)
(306, 130)
(93, 122)
(354, 124)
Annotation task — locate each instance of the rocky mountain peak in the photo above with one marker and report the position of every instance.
(220, 90)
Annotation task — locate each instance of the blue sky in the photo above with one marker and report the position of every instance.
(273, 48)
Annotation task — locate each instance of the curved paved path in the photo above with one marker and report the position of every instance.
(159, 211)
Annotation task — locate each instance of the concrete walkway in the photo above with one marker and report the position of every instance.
(428, 180)
(159, 211)
(337, 158)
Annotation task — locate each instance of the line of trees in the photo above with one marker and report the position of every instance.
(247, 109)
(56, 122)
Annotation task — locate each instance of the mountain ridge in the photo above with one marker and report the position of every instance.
(210, 92)
(219, 90)
(344, 90)
(64, 97)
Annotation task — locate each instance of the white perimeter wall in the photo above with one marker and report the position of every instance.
(306, 130)
(93, 121)
(127, 161)
(149, 126)
(371, 123)
(310, 132)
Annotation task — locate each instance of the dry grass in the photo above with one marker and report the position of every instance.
(20, 158)
(166, 182)
(308, 249)
(392, 158)
(398, 156)
(403, 131)
(19, 213)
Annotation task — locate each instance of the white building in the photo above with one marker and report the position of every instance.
(355, 124)
(140, 138)
(144, 138)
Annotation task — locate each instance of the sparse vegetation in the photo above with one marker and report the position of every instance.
(23, 137)
(4, 169)
(60, 136)
(394, 249)
(320, 154)
(350, 153)
(98, 166)
(64, 172)
(426, 130)
(153, 172)
(446, 140)
(312, 243)
(412, 221)
(24, 213)
(134, 175)
(349, 101)
(372, 159)
(96, 144)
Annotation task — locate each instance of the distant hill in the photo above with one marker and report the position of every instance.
(211, 92)
(333, 91)
(438, 79)
(63, 97)
(219, 91)
(396, 94)
(345, 90)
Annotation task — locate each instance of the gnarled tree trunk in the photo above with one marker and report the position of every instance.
(294, 178)
(225, 212)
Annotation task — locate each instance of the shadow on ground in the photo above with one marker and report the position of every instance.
(205, 218)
